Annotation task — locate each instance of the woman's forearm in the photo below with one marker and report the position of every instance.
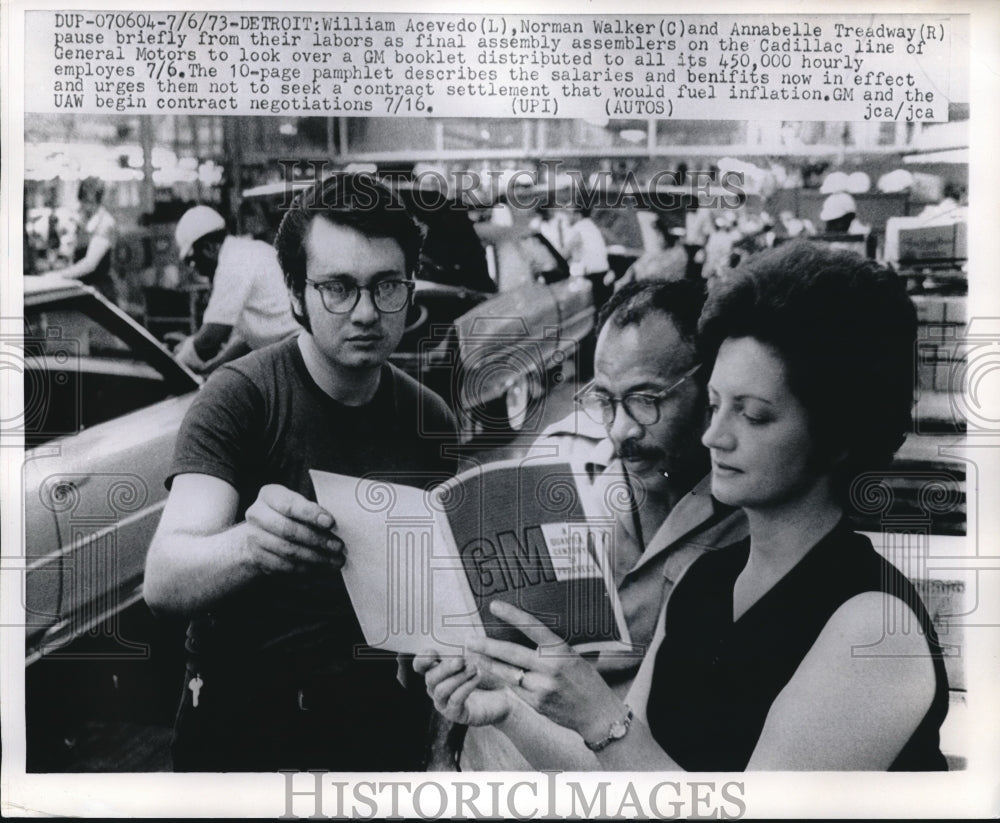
(544, 744)
(637, 750)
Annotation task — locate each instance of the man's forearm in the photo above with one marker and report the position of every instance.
(233, 350)
(96, 250)
(187, 573)
(209, 340)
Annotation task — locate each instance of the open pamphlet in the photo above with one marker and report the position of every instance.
(423, 565)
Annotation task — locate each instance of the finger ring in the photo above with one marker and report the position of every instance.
(520, 676)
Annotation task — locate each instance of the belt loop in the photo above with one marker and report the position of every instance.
(301, 701)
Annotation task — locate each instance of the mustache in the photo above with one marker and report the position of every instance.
(633, 450)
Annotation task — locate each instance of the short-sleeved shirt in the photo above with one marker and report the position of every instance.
(101, 224)
(262, 419)
(697, 524)
(585, 247)
(100, 228)
(249, 294)
(699, 225)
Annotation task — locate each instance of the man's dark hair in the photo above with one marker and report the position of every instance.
(680, 300)
(92, 187)
(355, 201)
(663, 227)
(845, 330)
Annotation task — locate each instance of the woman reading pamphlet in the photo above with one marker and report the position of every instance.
(774, 653)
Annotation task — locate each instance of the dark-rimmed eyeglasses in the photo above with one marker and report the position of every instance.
(642, 407)
(341, 296)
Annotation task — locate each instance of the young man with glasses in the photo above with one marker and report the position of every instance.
(648, 394)
(277, 673)
(248, 307)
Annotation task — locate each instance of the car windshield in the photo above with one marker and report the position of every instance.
(623, 226)
(79, 373)
(516, 261)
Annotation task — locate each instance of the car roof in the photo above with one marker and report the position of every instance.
(41, 286)
(271, 189)
(495, 232)
(282, 186)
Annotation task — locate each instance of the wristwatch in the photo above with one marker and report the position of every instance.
(617, 731)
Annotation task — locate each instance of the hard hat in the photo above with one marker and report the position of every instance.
(837, 205)
(195, 223)
(858, 183)
(835, 181)
(895, 181)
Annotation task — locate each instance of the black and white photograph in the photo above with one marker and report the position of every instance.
(558, 410)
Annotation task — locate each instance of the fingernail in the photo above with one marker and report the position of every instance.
(333, 544)
(325, 521)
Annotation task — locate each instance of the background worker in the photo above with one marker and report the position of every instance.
(248, 307)
(95, 239)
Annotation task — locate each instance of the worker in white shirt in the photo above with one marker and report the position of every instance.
(587, 253)
(249, 306)
(95, 239)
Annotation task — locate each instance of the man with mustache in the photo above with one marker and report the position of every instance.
(278, 676)
(648, 394)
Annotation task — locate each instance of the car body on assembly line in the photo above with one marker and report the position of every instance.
(103, 402)
(495, 361)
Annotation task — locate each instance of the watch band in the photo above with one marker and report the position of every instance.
(617, 731)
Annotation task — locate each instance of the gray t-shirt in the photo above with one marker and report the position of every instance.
(262, 419)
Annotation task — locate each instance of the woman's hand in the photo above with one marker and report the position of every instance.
(553, 679)
(460, 692)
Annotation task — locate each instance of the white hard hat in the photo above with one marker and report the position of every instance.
(195, 224)
(858, 183)
(837, 205)
(835, 181)
(895, 181)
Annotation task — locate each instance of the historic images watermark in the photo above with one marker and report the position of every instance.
(323, 795)
(549, 184)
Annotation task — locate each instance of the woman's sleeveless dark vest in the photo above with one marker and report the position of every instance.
(715, 680)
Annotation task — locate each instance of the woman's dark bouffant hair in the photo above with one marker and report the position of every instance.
(846, 331)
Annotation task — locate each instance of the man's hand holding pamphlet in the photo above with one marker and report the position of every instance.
(424, 565)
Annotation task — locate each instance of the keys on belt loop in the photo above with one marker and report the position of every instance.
(195, 684)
